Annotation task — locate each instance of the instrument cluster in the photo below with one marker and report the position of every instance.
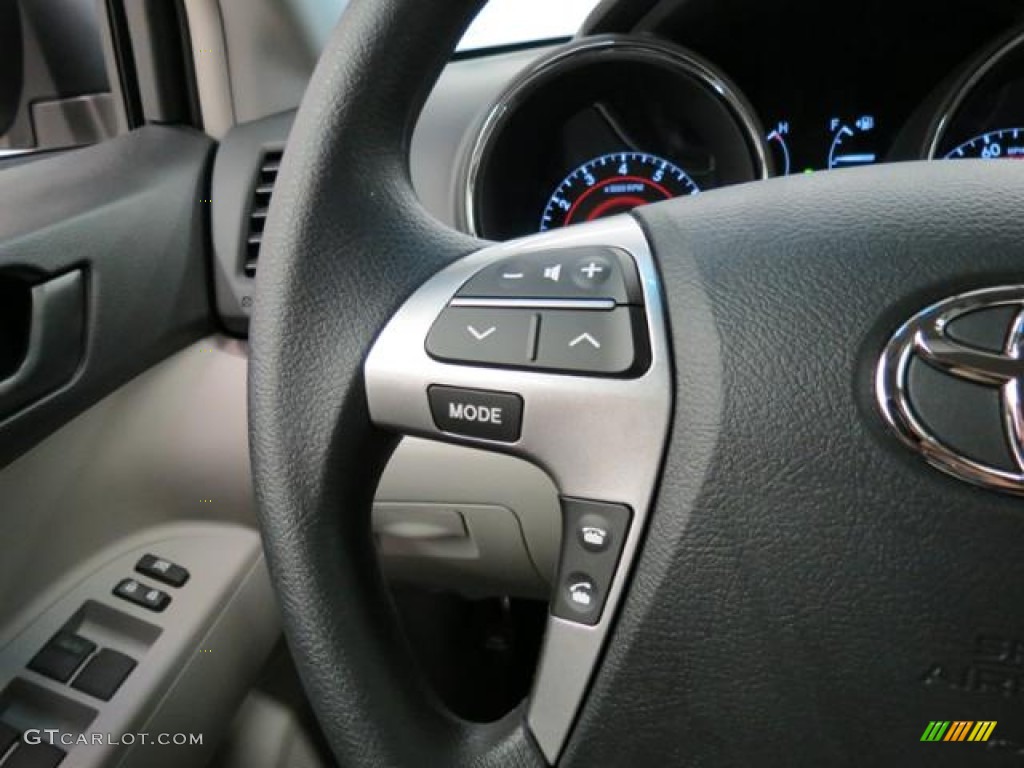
(611, 122)
(604, 125)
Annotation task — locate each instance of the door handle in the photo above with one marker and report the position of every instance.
(56, 341)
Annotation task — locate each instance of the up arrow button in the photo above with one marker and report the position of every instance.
(588, 341)
(585, 338)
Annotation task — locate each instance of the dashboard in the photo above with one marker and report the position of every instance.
(665, 98)
(707, 93)
(653, 99)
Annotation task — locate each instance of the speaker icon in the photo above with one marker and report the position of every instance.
(553, 273)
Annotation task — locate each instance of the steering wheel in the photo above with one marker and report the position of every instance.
(755, 569)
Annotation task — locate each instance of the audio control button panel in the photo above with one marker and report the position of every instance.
(552, 348)
(588, 272)
(572, 310)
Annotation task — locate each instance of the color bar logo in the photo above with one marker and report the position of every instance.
(958, 730)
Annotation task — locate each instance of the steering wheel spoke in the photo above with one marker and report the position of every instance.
(552, 348)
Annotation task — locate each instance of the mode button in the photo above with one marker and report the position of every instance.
(477, 412)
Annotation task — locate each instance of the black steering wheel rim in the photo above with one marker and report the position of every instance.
(310, 332)
(802, 572)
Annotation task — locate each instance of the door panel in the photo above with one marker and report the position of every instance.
(122, 434)
(168, 447)
(128, 216)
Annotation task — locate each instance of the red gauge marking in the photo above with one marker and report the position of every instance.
(630, 185)
(627, 202)
(615, 180)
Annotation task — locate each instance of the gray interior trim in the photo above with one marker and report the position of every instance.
(148, 453)
(252, 59)
(209, 59)
(196, 660)
(145, 455)
(113, 74)
(448, 124)
(64, 48)
(268, 733)
(519, 561)
(223, 665)
(74, 121)
(479, 547)
(269, 56)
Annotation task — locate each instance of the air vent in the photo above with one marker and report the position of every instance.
(270, 162)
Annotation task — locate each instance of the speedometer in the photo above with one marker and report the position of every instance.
(1007, 143)
(611, 184)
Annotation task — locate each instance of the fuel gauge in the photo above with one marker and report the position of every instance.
(853, 142)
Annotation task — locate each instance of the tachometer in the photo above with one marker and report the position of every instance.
(614, 183)
(1007, 143)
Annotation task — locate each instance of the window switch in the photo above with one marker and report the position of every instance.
(104, 674)
(39, 755)
(162, 570)
(138, 593)
(8, 737)
(61, 656)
